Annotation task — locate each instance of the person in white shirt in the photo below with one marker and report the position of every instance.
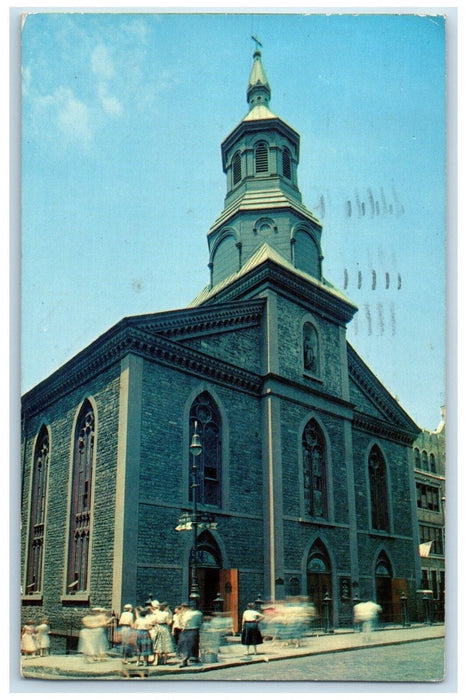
(126, 623)
(251, 635)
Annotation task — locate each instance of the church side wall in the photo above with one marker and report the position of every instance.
(60, 419)
(164, 480)
(398, 543)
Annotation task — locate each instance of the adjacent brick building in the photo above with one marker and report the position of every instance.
(430, 480)
(307, 460)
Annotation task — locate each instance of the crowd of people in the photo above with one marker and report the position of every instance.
(148, 634)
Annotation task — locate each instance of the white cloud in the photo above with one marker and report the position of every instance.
(111, 104)
(101, 63)
(73, 115)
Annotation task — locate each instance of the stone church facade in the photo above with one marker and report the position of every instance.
(307, 460)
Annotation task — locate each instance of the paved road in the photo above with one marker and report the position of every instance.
(415, 662)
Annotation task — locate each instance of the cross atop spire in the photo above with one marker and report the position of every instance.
(257, 42)
(259, 90)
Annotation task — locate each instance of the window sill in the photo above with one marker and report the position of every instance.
(32, 598)
(77, 598)
(313, 377)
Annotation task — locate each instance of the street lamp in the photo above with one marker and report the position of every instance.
(405, 619)
(195, 448)
(327, 617)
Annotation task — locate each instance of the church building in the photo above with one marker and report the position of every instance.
(304, 472)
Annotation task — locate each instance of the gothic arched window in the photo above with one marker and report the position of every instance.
(209, 463)
(314, 470)
(261, 158)
(310, 349)
(378, 490)
(432, 463)
(286, 168)
(80, 511)
(237, 168)
(418, 463)
(37, 512)
(424, 461)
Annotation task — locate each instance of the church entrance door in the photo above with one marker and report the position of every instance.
(319, 582)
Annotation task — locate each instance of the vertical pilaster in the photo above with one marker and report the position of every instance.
(272, 458)
(127, 482)
(353, 537)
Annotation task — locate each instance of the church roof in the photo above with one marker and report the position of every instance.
(264, 253)
(256, 200)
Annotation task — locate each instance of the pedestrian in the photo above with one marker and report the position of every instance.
(125, 624)
(143, 640)
(28, 639)
(366, 613)
(176, 627)
(164, 644)
(251, 635)
(43, 638)
(93, 642)
(191, 620)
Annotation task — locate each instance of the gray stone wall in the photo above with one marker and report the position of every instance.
(59, 418)
(290, 347)
(240, 347)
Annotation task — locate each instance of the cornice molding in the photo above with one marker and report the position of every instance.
(269, 271)
(375, 426)
(122, 340)
(197, 321)
(376, 391)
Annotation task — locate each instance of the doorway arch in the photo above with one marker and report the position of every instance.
(319, 577)
(208, 570)
(383, 586)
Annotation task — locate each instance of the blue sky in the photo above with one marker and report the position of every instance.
(123, 116)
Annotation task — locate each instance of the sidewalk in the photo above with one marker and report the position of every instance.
(73, 666)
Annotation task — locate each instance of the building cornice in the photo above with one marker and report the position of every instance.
(125, 339)
(378, 394)
(198, 321)
(270, 273)
(369, 424)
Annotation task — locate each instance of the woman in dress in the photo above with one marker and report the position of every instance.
(28, 639)
(42, 638)
(93, 642)
(251, 635)
(143, 639)
(163, 645)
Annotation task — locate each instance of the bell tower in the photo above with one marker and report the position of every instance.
(263, 203)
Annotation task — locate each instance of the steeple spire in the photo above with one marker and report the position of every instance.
(259, 90)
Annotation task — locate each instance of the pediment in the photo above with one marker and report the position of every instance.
(372, 399)
(185, 324)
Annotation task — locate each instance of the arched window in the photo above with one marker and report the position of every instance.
(314, 470)
(237, 168)
(286, 168)
(209, 463)
(261, 158)
(418, 463)
(37, 513)
(432, 463)
(310, 349)
(378, 490)
(80, 511)
(424, 461)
